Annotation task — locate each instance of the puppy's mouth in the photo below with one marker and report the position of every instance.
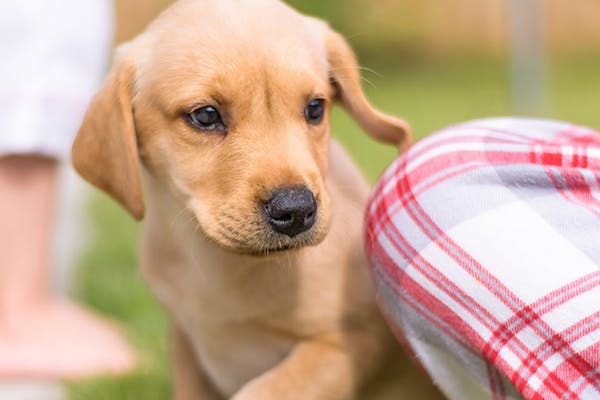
(271, 252)
(263, 241)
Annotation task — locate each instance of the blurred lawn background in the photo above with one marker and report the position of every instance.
(433, 62)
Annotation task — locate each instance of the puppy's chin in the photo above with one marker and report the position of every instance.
(269, 244)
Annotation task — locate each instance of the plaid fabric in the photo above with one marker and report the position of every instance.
(484, 242)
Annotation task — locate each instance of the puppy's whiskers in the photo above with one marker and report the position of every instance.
(359, 68)
(367, 81)
(367, 69)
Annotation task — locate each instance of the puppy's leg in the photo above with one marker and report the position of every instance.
(313, 371)
(189, 382)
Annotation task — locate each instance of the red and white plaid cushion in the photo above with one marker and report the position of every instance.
(484, 241)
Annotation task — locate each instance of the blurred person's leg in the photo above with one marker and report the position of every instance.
(42, 335)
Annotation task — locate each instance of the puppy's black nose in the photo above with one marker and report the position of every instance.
(291, 211)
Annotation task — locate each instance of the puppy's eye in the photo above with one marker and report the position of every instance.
(315, 111)
(206, 118)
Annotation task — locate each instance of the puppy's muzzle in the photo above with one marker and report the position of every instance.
(291, 211)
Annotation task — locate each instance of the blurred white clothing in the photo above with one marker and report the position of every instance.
(54, 55)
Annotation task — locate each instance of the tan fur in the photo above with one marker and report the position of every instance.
(249, 322)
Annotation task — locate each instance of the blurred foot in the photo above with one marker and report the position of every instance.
(62, 341)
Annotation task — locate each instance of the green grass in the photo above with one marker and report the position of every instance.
(429, 95)
(108, 280)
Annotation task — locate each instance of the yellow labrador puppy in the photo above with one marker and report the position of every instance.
(213, 127)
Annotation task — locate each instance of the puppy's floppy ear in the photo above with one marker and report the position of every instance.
(345, 76)
(105, 150)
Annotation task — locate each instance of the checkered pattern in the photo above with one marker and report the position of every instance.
(484, 242)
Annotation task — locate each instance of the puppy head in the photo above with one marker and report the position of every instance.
(226, 104)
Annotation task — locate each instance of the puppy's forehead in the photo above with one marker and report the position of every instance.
(230, 37)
